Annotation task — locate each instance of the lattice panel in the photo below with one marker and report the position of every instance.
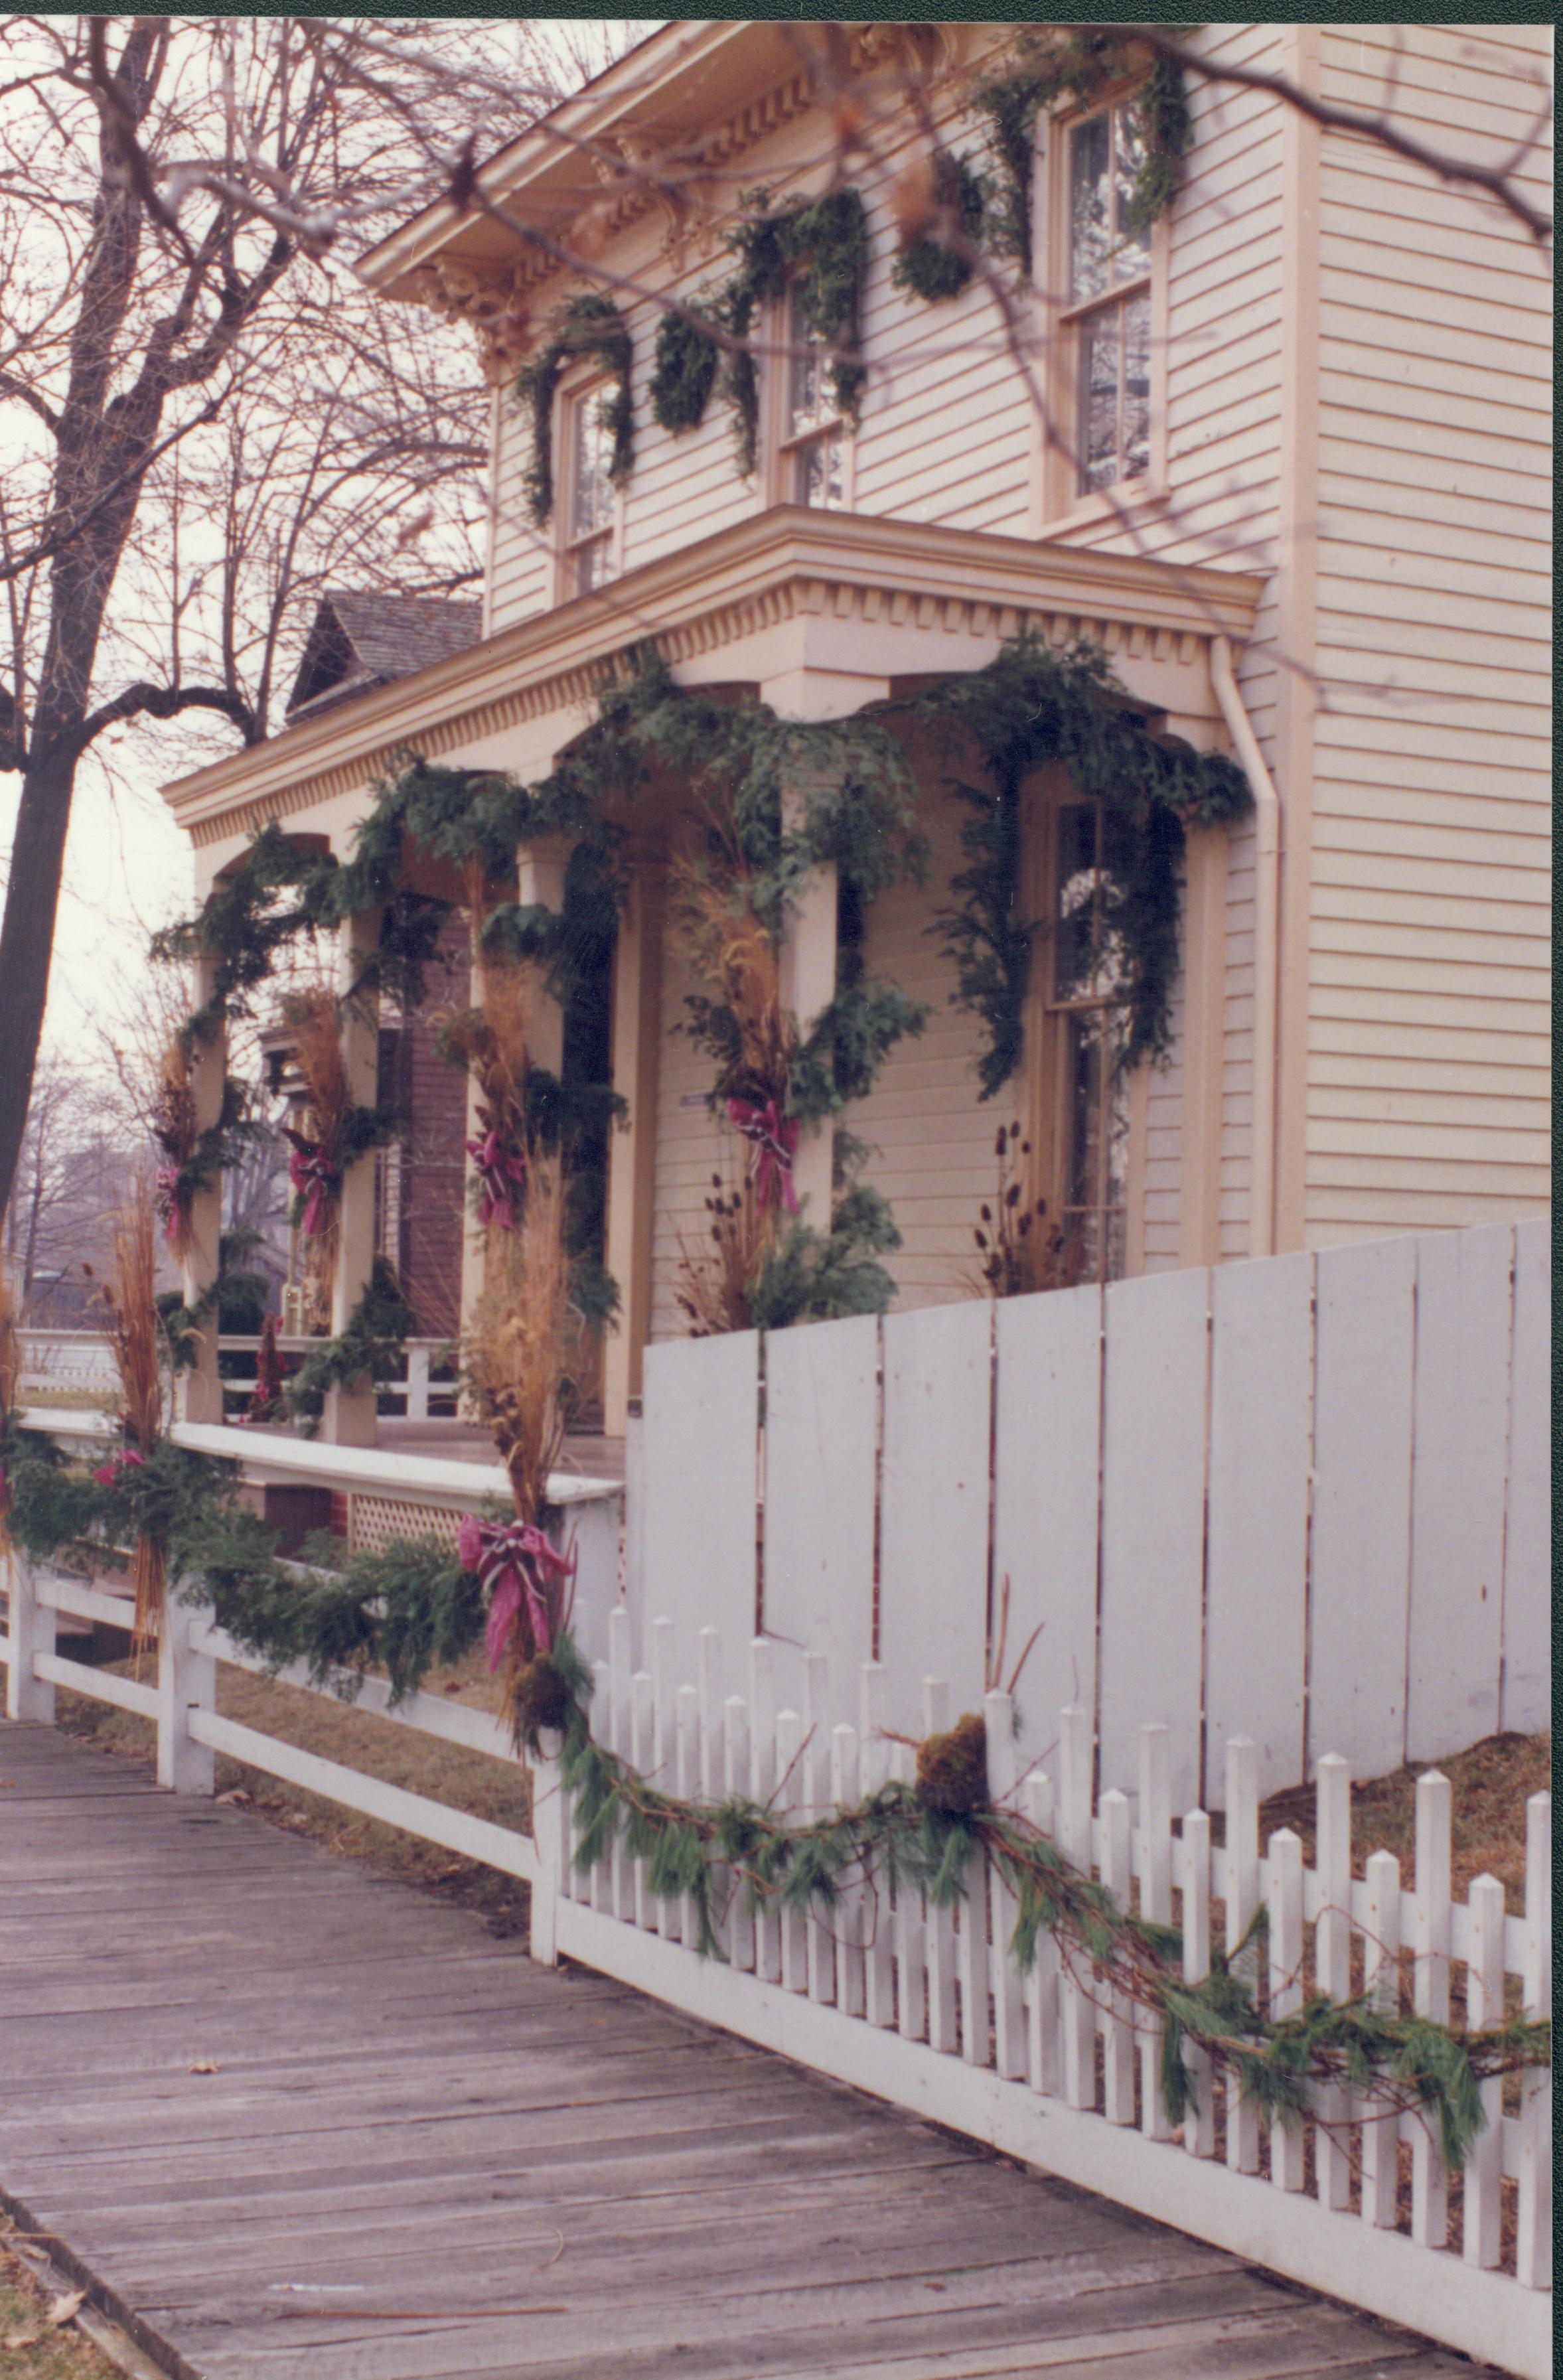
(376, 1522)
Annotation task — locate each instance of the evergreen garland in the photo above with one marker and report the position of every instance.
(587, 325)
(1030, 707)
(818, 248)
(1079, 62)
(684, 374)
(930, 267)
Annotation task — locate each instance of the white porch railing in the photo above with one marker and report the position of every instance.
(82, 1361)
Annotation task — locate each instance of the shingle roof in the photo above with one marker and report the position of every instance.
(358, 641)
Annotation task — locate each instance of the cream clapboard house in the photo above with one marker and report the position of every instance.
(1306, 515)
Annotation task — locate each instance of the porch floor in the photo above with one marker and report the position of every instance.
(588, 1455)
(284, 2117)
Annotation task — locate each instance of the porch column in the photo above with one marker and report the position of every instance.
(632, 1153)
(809, 947)
(198, 1391)
(540, 880)
(349, 1417)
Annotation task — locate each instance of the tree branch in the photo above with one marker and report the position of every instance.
(144, 699)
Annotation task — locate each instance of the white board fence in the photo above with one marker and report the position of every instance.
(1307, 1495)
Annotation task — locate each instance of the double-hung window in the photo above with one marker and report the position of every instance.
(1086, 996)
(1108, 308)
(590, 508)
(814, 446)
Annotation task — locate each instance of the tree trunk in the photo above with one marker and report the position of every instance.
(27, 941)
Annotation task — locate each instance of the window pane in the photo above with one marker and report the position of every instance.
(1099, 398)
(819, 468)
(1096, 1170)
(1132, 254)
(810, 398)
(1135, 435)
(1083, 1174)
(591, 565)
(1074, 928)
(592, 499)
(1090, 224)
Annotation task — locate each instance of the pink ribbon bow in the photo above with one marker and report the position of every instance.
(107, 1474)
(168, 1180)
(312, 1173)
(500, 1170)
(775, 1141)
(515, 1565)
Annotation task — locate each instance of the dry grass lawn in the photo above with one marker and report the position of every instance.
(31, 2348)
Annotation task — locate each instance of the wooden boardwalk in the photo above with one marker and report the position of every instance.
(293, 2119)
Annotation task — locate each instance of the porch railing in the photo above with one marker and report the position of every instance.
(424, 1388)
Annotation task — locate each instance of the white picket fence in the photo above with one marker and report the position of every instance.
(922, 2005)
(1306, 1497)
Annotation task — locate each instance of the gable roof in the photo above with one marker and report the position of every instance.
(358, 641)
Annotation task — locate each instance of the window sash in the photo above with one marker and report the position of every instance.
(1085, 999)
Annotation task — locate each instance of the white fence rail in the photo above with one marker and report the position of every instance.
(1307, 1495)
(923, 2006)
(82, 1361)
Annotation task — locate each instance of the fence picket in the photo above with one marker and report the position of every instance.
(932, 1503)
(1079, 2016)
(911, 1971)
(878, 1957)
(849, 1904)
(822, 1435)
(938, 1927)
(1118, 2031)
(1009, 2011)
(1484, 1989)
(1286, 1984)
(1042, 1983)
(701, 1438)
(762, 1781)
(792, 1924)
(601, 1880)
(1429, 1995)
(815, 1787)
(1332, 1964)
(1240, 1897)
(734, 1784)
(1199, 2121)
(1381, 1981)
(1155, 1902)
(687, 1783)
(663, 1724)
(619, 1670)
(708, 1650)
(641, 1725)
(1534, 2246)
(1527, 1544)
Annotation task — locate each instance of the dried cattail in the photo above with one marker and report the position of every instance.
(130, 1308)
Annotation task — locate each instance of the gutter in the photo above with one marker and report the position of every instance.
(1266, 948)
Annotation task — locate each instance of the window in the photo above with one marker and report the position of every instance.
(1108, 303)
(814, 460)
(589, 508)
(1086, 996)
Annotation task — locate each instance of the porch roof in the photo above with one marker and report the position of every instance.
(790, 589)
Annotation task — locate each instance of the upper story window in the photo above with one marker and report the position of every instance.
(1086, 997)
(590, 512)
(1108, 308)
(814, 446)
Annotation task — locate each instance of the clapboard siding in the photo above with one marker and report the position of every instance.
(1427, 1094)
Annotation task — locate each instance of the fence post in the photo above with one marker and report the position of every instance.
(1381, 1981)
(1533, 2253)
(1483, 1999)
(1241, 1893)
(1430, 1996)
(1286, 1984)
(548, 1838)
(1199, 2121)
(1332, 1964)
(1009, 2009)
(187, 1680)
(30, 1627)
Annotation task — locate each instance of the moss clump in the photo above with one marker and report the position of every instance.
(953, 1769)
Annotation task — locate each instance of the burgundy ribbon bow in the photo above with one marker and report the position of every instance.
(515, 1565)
(108, 1474)
(500, 1171)
(312, 1175)
(169, 1178)
(775, 1141)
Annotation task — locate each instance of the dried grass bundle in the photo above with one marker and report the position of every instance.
(517, 1348)
(492, 1040)
(130, 1304)
(717, 1272)
(313, 1018)
(732, 952)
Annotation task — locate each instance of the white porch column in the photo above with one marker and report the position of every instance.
(632, 1150)
(349, 1417)
(198, 1391)
(808, 948)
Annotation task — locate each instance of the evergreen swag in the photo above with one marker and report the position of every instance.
(589, 326)
(1027, 708)
(683, 372)
(371, 1347)
(1080, 64)
(933, 266)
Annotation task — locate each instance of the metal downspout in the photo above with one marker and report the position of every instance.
(1266, 948)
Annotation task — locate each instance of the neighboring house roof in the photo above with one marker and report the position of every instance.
(360, 642)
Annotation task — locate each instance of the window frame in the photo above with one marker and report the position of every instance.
(1063, 500)
(574, 389)
(786, 445)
